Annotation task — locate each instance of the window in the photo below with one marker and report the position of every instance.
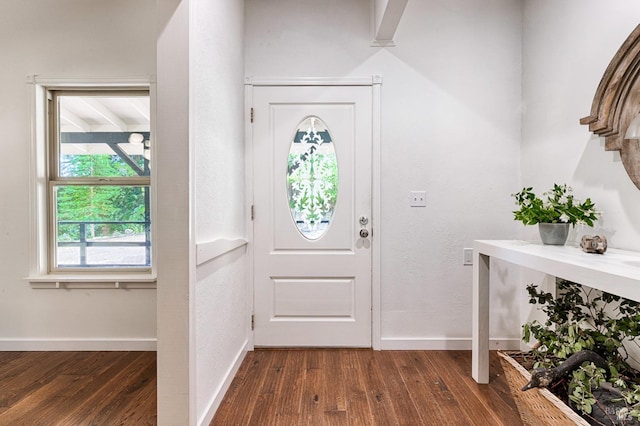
(99, 180)
(312, 178)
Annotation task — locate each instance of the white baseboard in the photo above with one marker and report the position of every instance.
(218, 395)
(8, 345)
(433, 344)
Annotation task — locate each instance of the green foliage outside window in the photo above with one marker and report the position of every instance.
(313, 185)
(99, 203)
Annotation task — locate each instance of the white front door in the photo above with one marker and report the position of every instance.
(312, 213)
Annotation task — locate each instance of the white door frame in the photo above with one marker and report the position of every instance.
(375, 82)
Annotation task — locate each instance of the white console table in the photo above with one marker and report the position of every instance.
(616, 272)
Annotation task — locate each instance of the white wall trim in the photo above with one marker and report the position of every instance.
(312, 81)
(444, 343)
(97, 285)
(142, 344)
(39, 251)
(211, 249)
(62, 82)
(248, 154)
(376, 284)
(218, 395)
(92, 281)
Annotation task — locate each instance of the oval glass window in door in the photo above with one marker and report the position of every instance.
(312, 178)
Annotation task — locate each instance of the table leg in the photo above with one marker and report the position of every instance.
(480, 320)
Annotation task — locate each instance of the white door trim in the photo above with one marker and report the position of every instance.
(313, 81)
(375, 82)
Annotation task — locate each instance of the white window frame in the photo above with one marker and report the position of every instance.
(41, 274)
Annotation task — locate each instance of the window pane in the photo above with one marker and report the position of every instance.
(103, 136)
(105, 226)
(312, 178)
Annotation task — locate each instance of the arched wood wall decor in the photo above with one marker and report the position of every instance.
(617, 102)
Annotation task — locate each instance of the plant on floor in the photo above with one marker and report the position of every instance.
(582, 318)
(557, 206)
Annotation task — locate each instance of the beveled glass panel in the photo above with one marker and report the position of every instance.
(312, 178)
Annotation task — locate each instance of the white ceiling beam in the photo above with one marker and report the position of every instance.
(75, 121)
(106, 113)
(386, 17)
(141, 108)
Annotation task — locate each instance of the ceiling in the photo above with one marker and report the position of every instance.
(104, 113)
(103, 120)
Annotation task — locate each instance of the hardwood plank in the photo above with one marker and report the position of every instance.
(263, 412)
(407, 412)
(141, 409)
(358, 409)
(129, 383)
(277, 387)
(41, 404)
(72, 388)
(235, 392)
(91, 403)
(365, 387)
(450, 383)
(334, 390)
(377, 393)
(290, 388)
(312, 411)
(496, 397)
(420, 384)
(19, 378)
(472, 397)
(244, 390)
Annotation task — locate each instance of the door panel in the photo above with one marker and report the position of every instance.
(312, 287)
(313, 297)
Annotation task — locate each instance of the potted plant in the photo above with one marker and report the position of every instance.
(581, 321)
(553, 212)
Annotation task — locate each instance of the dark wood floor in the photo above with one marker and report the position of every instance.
(77, 388)
(273, 387)
(364, 387)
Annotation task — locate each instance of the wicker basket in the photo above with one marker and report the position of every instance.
(536, 406)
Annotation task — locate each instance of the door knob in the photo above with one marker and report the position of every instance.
(364, 233)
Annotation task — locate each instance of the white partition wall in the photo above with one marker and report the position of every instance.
(203, 300)
(222, 300)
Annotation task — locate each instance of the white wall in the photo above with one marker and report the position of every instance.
(217, 123)
(71, 39)
(566, 48)
(450, 126)
(174, 220)
(203, 309)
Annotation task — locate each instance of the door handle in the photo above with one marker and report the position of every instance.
(364, 232)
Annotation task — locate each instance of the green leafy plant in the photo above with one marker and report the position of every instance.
(585, 378)
(556, 206)
(582, 318)
(312, 179)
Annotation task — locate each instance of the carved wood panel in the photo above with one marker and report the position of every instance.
(617, 102)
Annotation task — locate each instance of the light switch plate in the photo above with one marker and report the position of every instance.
(467, 256)
(418, 198)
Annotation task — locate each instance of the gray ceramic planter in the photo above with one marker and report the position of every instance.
(554, 233)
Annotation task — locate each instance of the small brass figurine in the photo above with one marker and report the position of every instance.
(594, 244)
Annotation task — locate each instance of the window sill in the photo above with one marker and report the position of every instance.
(93, 281)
